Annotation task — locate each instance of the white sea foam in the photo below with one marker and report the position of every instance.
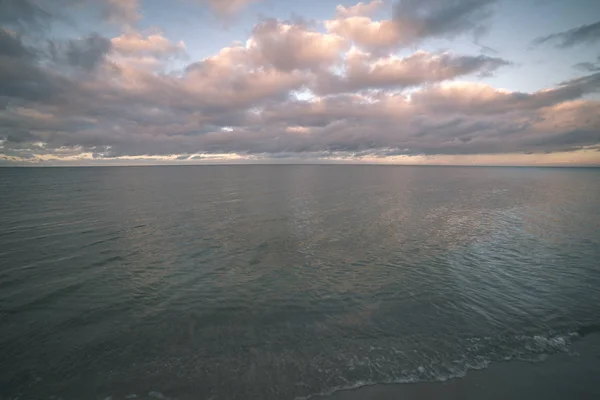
(533, 349)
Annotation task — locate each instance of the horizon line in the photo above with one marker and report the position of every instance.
(25, 166)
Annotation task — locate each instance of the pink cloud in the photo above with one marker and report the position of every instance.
(136, 44)
(294, 46)
(361, 9)
(366, 33)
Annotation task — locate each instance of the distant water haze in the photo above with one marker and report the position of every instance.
(282, 282)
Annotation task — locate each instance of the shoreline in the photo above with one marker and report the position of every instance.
(571, 375)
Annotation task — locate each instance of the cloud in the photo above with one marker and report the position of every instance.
(231, 79)
(433, 18)
(39, 15)
(374, 36)
(588, 66)
(393, 125)
(289, 92)
(227, 7)
(155, 45)
(288, 46)
(585, 34)
(364, 72)
(21, 76)
(226, 104)
(122, 11)
(358, 10)
(413, 21)
(473, 98)
(11, 46)
(87, 53)
(30, 14)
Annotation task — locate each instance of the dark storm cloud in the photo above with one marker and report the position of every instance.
(585, 34)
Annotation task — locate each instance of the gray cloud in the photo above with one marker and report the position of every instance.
(20, 136)
(416, 69)
(427, 18)
(486, 100)
(227, 7)
(36, 15)
(11, 46)
(21, 77)
(588, 66)
(121, 11)
(585, 34)
(26, 13)
(87, 53)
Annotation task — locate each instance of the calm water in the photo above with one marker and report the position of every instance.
(280, 282)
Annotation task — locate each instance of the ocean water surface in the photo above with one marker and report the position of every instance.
(285, 282)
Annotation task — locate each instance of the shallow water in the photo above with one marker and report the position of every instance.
(281, 282)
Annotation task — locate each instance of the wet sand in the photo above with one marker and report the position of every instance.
(563, 376)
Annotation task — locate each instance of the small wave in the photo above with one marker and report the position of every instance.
(531, 349)
(317, 369)
(356, 385)
(421, 374)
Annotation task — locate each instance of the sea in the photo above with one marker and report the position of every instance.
(287, 281)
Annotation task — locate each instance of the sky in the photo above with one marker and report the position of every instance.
(442, 82)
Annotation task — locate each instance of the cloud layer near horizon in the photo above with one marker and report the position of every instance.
(347, 88)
